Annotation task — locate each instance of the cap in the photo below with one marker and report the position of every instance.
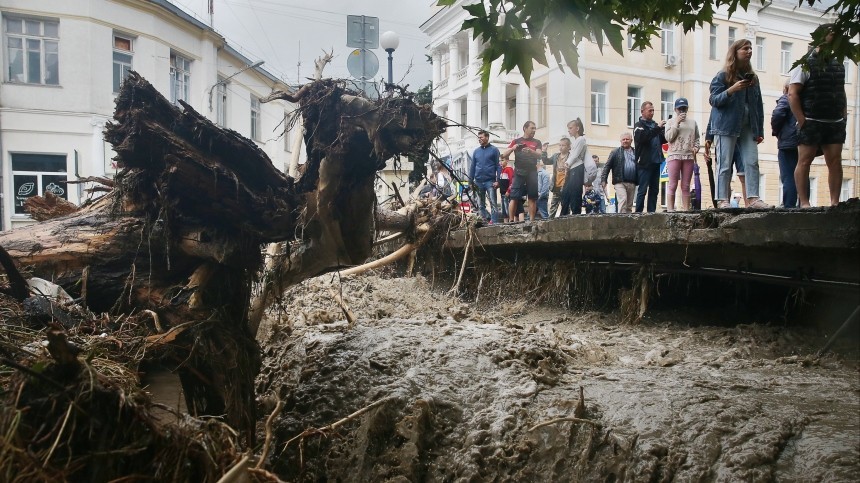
(681, 102)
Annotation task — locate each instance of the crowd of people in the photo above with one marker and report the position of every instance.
(809, 120)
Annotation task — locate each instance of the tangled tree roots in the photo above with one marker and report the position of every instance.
(73, 410)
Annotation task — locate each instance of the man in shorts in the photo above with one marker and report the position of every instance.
(817, 98)
(528, 152)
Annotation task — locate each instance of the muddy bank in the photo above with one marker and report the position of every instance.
(465, 387)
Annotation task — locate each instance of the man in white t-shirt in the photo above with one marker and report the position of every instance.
(817, 98)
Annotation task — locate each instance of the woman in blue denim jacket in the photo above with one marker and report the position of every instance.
(737, 118)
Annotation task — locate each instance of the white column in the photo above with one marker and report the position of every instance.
(473, 106)
(437, 67)
(454, 59)
(454, 115)
(523, 106)
(474, 51)
(496, 99)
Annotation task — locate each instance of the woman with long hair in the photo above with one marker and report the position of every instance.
(571, 193)
(737, 118)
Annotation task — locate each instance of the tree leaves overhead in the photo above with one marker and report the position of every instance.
(520, 32)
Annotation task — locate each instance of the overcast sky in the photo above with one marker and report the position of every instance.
(284, 32)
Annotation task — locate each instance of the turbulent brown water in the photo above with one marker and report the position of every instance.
(464, 387)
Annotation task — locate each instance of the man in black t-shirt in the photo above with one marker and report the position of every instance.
(528, 152)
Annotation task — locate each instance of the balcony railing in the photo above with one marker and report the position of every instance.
(460, 75)
(443, 84)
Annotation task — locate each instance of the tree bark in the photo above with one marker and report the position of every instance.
(181, 234)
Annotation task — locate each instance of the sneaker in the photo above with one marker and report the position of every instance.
(723, 204)
(758, 204)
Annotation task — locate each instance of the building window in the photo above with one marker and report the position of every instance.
(180, 78)
(667, 104)
(631, 41)
(445, 65)
(634, 104)
(32, 50)
(221, 102)
(464, 111)
(713, 45)
(813, 191)
(667, 39)
(759, 53)
(256, 126)
(512, 112)
(598, 102)
(122, 57)
(37, 174)
(846, 192)
(541, 118)
(733, 33)
(785, 57)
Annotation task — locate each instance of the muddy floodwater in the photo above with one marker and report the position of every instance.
(492, 393)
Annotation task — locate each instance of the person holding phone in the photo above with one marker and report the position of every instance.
(683, 137)
(737, 119)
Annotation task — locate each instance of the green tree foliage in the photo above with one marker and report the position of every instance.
(520, 32)
(424, 94)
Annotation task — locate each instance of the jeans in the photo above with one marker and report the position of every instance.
(486, 190)
(649, 181)
(556, 202)
(725, 150)
(571, 194)
(543, 212)
(505, 202)
(787, 163)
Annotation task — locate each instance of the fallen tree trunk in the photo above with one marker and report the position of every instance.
(181, 234)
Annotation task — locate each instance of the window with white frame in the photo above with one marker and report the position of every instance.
(541, 117)
(634, 104)
(667, 104)
(37, 174)
(813, 191)
(847, 189)
(512, 112)
(32, 50)
(712, 51)
(759, 53)
(733, 34)
(631, 41)
(180, 78)
(667, 38)
(122, 57)
(256, 121)
(445, 65)
(785, 60)
(598, 102)
(221, 102)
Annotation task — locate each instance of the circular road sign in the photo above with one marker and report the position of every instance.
(362, 64)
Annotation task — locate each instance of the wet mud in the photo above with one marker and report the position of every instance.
(491, 393)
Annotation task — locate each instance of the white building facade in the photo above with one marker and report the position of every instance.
(610, 87)
(63, 63)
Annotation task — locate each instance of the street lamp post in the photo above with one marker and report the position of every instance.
(389, 41)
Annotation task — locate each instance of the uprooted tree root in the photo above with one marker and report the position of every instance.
(73, 409)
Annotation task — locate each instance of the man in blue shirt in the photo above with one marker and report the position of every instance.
(484, 173)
